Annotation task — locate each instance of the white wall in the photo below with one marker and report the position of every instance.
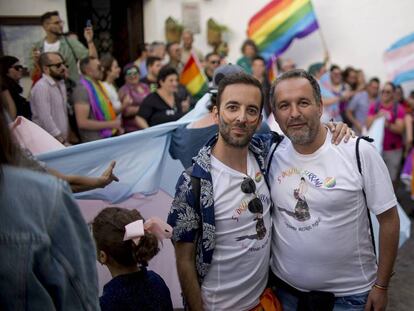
(356, 32)
(32, 8)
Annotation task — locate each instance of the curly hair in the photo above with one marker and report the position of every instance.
(109, 230)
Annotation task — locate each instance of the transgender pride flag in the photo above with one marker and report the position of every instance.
(399, 60)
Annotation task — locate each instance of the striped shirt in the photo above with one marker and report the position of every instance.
(48, 103)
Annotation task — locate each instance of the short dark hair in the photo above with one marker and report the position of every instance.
(258, 57)
(164, 73)
(109, 230)
(208, 55)
(169, 45)
(84, 62)
(239, 78)
(251, 43)
(44, 58)
(374, 79)
(46, 16)
(151, 60)
(297, 74)
(334, 67)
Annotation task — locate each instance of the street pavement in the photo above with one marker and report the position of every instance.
(402, 283)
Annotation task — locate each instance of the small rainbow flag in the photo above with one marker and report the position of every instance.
(193, 78)
(272, 69)
(275, 26)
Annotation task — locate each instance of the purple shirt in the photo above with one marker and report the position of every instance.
(137, 93)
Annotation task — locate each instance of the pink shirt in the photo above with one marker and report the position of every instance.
(392, 140)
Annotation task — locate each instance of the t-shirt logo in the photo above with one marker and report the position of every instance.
(258, 176)
(301, 211)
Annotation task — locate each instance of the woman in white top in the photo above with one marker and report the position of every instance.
(111, 72)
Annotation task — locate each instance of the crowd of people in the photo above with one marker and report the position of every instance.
(228, 224)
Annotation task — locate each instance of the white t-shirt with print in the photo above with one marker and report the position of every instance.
(51, 47)
(321, 239)
(240, 264)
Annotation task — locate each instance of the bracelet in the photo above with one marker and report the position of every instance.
(380, 286)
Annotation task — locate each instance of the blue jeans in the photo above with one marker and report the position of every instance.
(347, 303)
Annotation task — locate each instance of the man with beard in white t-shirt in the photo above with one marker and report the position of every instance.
(321, 243)
(222, 243)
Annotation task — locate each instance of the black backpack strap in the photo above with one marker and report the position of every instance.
(269, 162)
(358, 158)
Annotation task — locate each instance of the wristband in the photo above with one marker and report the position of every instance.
(380, 286)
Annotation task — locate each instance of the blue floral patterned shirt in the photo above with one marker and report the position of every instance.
(193, 225)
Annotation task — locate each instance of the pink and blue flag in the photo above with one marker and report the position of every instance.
(399, 60)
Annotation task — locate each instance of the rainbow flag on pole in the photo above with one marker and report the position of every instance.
(193, 78)
(275, 26)
(399, 60)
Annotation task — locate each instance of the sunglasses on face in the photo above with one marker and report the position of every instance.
(57, 65)
(131, 73)
(215, 62)
(18, 67)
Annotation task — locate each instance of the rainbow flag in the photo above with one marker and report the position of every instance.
(399, 60)
(275, 26)
(193, 78)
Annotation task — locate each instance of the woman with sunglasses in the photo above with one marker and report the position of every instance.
(163, 105)
(135, 90)
(11, 72)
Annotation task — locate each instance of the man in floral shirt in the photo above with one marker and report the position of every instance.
(228, 234)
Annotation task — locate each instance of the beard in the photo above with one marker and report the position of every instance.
(235, 141)
(305, 135)
(57, 76)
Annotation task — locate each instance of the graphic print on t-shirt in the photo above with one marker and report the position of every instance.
(258, 217)
(301, 211)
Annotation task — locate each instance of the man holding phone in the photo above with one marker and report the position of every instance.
(55, 41)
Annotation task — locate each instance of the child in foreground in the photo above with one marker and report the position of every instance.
(125, 243)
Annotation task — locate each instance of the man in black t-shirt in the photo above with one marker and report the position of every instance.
(154, 65)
